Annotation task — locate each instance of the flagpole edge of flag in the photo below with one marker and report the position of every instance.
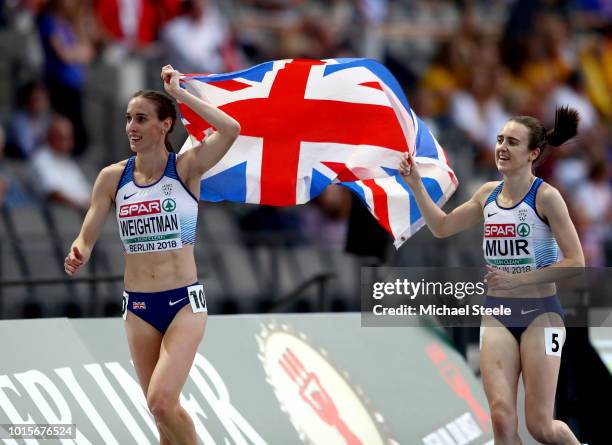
(407, 234)
(418, 224)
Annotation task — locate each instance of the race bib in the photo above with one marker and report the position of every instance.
(150, 226)
(197, 298)
(509, 247)
(124, 305)
(554, 339)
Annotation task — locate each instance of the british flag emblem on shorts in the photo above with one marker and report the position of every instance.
(139, 305)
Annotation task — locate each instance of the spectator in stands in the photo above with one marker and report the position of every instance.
(445, 74)
(479, 113)
(593, 200)
(12, 192)
(269, 225)
(210, 47)
(135, 25)
(572, 93)
(59, 176)
(371, 15)
(67, 49)
(27, 129)
(325, 220)
(596, 64)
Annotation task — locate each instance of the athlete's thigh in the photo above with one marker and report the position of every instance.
(144, 342)
(500, 363)
(178, 348)
(541, 363)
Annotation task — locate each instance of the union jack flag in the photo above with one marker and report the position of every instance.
(139, 305)
(306, 124)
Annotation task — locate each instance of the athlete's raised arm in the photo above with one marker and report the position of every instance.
(203, 156)
(440, 223)
(101, 202)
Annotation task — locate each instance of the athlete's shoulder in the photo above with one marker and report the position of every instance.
(118, 165)
(488, 187)
(483, 192)
(109, 176)
(548, 195)
(113, 170)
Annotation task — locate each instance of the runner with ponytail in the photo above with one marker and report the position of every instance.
(526, 225)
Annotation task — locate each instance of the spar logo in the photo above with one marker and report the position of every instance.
(500, 231)
(319, 400)
(523, 229)
(140, 209)
(169, 205)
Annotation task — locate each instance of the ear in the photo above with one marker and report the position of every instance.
(535, 154)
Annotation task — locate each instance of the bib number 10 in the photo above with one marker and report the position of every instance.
(197, 298)
(124, 305)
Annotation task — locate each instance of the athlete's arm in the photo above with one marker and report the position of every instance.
(101, 202)
(203, 156)
(440, 223)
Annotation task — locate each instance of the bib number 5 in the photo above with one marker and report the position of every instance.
(554, 339)
(197, 298)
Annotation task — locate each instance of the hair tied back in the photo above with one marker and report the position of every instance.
(566, 126)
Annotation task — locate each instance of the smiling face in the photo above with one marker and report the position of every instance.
(511, 152)
(142, 125)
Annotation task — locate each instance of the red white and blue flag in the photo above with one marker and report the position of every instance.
(306, 124)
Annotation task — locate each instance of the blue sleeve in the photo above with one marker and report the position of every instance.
(46, 26)
(18, 134)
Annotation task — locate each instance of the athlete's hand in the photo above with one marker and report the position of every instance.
(409, 170)
(74, 261)
(501, 280)
(170, 76)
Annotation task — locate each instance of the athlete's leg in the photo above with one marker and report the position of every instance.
(500, 366)
(540, 374)
(178, 348)
(144, 342)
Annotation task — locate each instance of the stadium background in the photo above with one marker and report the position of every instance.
(466, 66)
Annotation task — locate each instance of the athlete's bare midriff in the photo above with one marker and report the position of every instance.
(160, 271)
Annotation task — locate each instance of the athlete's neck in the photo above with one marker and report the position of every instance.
(150, 165)
(517, 184)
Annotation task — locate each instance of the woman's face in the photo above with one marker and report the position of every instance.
(511, 152)
(143, 127)
(38, 102)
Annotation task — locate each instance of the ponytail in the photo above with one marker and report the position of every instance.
(566, 127)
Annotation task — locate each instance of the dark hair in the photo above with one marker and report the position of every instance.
(566, 127)
(164, 106)
(24, 92)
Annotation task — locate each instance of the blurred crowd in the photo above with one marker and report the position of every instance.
(466, 66)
